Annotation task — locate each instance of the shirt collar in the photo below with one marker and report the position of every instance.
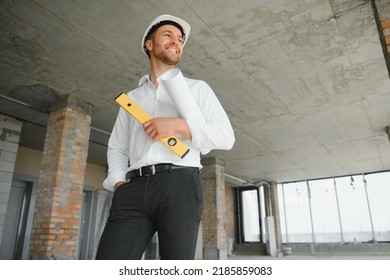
(143, 80)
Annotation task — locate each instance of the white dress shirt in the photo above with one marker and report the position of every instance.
(130, 148)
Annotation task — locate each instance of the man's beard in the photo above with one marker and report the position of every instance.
(167, 58)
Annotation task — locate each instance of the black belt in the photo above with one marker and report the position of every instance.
(150, 170)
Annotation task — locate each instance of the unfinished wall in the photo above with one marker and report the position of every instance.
(9, 143)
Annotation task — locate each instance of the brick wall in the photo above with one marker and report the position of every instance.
(231, 218)
(9, 143)
(230, 204)
(381, 10)
(60, 189)
(214, 214)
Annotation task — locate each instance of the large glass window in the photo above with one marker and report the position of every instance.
(378, 190)
(282, 214)
(354, 209)
(297, 209)
(326, 221)
(345, 209)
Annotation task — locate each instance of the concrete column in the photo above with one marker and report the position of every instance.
(60, 189)
(272, 217)
(267, 200)
(275, 213)
(9, 144)
(214, 219)
(381, 10)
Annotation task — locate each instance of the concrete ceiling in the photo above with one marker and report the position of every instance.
(304, 82)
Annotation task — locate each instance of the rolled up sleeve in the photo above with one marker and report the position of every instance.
(215, 130)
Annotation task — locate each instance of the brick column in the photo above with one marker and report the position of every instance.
(381, 10)
(214, 219)
(60, 190)
(9, 144)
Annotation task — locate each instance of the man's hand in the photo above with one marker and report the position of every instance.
(117, 185)
(163, 127)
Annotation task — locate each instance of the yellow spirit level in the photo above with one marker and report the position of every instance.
(177, 146)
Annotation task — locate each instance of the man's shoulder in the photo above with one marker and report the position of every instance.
(137, 90)
(194, 82)
(141, 86)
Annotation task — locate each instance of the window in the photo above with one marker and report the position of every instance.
(345, 209)
(297, 219)
(250, 215)
(353, 209)
(326, 222)
(378, 190)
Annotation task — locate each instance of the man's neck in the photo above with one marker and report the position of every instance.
(156, 70)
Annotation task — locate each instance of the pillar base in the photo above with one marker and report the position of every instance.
(213, 253)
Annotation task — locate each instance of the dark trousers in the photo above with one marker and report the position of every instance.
(170, 203)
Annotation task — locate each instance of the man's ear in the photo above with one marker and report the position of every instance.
(149, 45)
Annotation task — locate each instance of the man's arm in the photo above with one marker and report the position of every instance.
(162, 127)
(117, 152)
(215, 131)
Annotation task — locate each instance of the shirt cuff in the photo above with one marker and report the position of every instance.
(112, 179)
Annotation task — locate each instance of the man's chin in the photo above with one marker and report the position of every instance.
(171, 61)
(169, 58)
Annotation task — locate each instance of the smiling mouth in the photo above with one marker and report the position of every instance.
(171, 50)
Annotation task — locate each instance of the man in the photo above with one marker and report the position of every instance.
(154, 189)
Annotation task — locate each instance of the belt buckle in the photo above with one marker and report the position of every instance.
(152, 168)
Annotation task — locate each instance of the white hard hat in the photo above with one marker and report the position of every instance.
(184, 27)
